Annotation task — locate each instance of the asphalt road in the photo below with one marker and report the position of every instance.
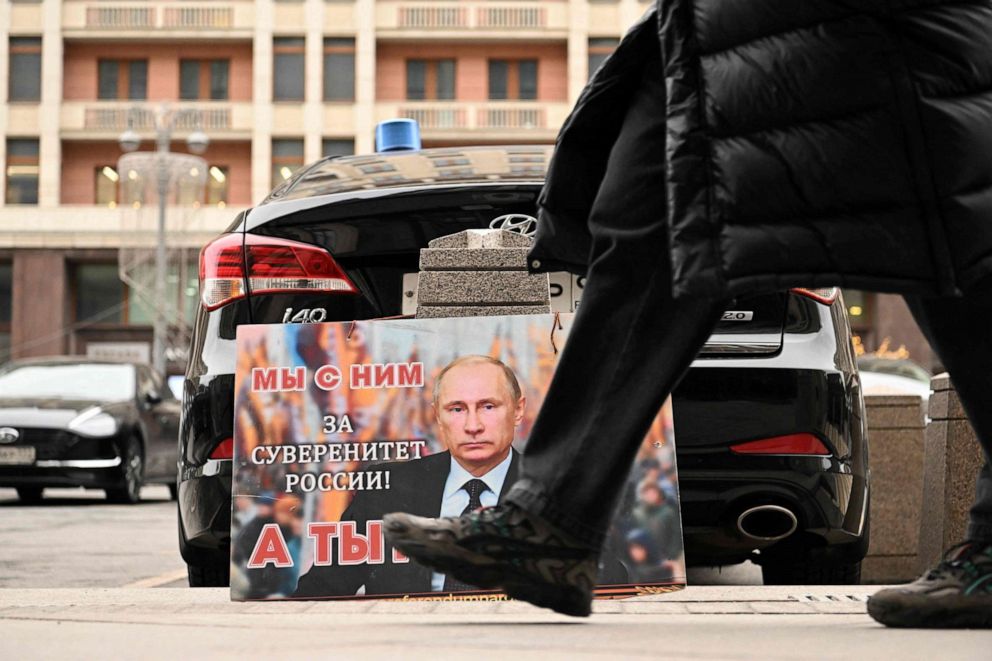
(75, 539)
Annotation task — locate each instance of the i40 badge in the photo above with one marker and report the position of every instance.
(304, 316)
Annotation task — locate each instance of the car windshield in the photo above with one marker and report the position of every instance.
(102, 382)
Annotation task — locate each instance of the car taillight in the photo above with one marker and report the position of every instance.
(825, 295)
(807, 444)
(270, 264)
(224, 450)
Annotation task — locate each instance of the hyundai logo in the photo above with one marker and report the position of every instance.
(9, 435)
(518, 223)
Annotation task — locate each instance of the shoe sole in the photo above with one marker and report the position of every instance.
(954, 612)
(516, 584)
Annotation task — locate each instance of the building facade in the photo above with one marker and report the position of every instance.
(277, 83)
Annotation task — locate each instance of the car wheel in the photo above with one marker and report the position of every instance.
(30, 494)
(209, 576)
(132, 474)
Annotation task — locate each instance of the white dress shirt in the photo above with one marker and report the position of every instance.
(454, 500)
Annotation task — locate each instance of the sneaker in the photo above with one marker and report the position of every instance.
(502, 547)
(957, 593)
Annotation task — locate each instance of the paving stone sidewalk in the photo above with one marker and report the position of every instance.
(708, 622)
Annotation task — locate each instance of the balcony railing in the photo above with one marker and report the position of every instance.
(157, 15)
(518, 118)
(197, 17)
(120, 17)
(110, 118)
(433, 17)
(457, 15)
(117, 119)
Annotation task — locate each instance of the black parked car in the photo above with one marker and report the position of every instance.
(73, 422)
(770, 426)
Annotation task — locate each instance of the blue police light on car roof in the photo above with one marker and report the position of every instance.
(397, 135)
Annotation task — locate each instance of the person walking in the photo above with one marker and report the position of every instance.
(730, 148)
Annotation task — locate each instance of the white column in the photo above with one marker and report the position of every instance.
(313, 106)
(365, 38)
(261, 137)
(4, 70)
(578, 47)
(50, 146)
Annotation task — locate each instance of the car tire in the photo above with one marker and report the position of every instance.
(30, 495)
(209, 576)
(132, 475)
(812, 572)
(173, 491)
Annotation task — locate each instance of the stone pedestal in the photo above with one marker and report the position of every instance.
(951, 462)
(896, 441)
(479, 273)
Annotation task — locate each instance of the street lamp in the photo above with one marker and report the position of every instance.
(166, 120)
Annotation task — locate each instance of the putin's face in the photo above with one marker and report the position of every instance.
(477, 415)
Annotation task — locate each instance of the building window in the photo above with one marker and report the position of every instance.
(217, 178)
(107, 187)
(204, 79)
(25, 69)
(334, 147)
(287, 158)
(288, 69)
(22, 171)
(6, 298)
(513, 79)
(101, 297)
(339, 69)
(122, 79)
(600, 48)
(430, 79)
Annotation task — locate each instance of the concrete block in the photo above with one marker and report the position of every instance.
(473, 259)
(444, 311)
(945, 405)
(482, 239)
(952, 460)
(941, 381)
(889, 569)
(896, 437)
(897, 490)
(483, 287)
(906, 413)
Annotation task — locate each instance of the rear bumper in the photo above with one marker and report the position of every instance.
(205, 513)
(829, 502)
(89, 473)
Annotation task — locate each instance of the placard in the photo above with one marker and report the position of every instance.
(337, 424)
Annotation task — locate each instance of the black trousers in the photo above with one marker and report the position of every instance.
(631, 343)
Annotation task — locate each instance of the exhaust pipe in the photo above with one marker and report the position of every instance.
(767, 523)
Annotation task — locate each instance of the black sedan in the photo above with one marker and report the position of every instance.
(72, 422)
(770, 427)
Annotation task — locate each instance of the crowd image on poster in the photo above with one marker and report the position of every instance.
(337, 424)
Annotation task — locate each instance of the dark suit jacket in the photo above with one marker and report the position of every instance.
(417, 488)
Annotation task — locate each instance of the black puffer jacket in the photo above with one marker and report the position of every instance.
(810, 143)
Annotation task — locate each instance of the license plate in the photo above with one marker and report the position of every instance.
(566, 291)
(16, 456)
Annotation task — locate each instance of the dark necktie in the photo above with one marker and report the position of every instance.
(474, 489)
